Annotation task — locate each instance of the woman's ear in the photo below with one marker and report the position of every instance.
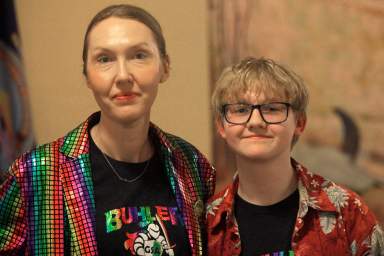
(87, 81)
(166, 69)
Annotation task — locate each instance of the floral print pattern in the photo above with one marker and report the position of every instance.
(327, 222)
(332, 220)
(337, 195)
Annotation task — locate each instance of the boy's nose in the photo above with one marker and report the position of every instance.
(256, 119)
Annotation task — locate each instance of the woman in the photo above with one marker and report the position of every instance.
(116, 184)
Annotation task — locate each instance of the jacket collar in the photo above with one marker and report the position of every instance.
(183, 184)
(76, 142)
(313, 191)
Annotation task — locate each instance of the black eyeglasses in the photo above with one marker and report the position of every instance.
(271, 113)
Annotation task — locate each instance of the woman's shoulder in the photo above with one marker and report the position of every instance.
(179, 142)
(170, 141)
(41, 150)
(37, 161)
(52, 153)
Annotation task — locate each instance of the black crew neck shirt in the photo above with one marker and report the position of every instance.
(137, 217)
(266, 230)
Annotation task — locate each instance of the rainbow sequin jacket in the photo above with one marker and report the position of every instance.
(47, 203)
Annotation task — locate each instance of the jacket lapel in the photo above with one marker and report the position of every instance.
(43, 191)
(184, 189)
(76, 178)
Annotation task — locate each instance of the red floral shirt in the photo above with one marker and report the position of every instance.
(331, 220)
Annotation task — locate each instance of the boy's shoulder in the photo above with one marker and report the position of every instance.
(222, 201)
(323, 194)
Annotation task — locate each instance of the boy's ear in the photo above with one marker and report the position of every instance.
(300, 124)
(220, 127)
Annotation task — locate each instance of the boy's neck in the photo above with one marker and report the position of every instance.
(266, 182)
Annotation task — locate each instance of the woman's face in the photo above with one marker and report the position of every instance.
(124, 69)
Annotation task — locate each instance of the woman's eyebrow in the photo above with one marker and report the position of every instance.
(133, 46)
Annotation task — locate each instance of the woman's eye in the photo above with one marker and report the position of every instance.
(103, 59)
(141, 55)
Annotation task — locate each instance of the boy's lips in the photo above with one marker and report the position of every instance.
(257, 136)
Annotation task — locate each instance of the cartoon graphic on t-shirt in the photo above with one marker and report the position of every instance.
(152, 242)
(147, 234)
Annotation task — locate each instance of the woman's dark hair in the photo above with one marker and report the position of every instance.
(126, 11)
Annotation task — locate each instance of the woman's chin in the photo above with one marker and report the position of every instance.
(127, 116)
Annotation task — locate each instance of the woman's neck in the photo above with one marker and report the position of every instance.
(266, 182)
(123, 142)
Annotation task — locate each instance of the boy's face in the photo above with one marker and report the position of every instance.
(257, 140)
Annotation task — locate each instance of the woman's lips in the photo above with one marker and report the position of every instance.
(125, 96)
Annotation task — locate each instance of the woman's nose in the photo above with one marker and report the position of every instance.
(123, 71)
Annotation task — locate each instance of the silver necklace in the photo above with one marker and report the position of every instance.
(114, 170)
(119, 176)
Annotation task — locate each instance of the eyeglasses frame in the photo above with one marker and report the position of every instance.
(253, 107)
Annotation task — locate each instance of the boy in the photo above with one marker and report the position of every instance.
(274, 205)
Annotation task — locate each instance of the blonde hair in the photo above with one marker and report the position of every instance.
(260, 76)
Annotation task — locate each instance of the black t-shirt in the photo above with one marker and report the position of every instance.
(266, 229)
(136, 218)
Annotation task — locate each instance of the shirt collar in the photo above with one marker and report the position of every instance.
(312, 194)
(313, 191)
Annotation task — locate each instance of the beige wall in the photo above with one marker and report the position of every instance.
(52, 34)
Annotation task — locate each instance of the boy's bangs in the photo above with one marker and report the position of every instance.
(239, 87)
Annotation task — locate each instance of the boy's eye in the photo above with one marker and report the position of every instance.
(270, 108)
(103, 59)
(240, 109)
(273, 107)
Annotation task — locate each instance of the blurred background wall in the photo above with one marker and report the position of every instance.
(52, 36)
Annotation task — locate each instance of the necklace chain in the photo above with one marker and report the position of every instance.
(115, 171)
(119, 176)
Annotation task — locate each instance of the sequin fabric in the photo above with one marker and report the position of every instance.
(47, 204)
